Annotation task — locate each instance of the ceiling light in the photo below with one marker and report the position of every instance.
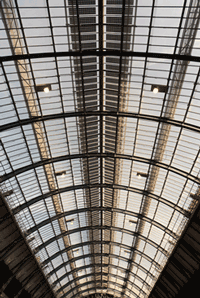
(131, 222)
(43, 88)
(71, 221)
(155, 90)
(141, 174)
(46, 89)
(159, 88)
(61, 173)
(76, 251)
(126, 252)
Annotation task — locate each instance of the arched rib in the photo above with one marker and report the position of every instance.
(112, 186)
(103, 274)
(107, 281)
(146, 117)
(125, 246)
(140, 159)
(98, 54)
(99, 265)
(109, 209)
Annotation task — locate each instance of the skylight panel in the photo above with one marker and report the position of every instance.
(88, 149)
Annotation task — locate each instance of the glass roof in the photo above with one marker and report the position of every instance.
(103, 170)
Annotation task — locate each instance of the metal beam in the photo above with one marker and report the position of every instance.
(102, 274)
(100, 53)
(101, 124)
(95, 254)
(16, 259)
(118, 140)
(112, 186)
(106, 281)
(14, 29)
(48, 161)
(99, 265)
(96, 288)
(109, 209)
(73, 247)
(187, 39)
(146, 117)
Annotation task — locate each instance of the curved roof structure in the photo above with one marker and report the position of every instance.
(100, 136)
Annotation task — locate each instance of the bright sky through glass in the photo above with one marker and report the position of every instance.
(100, 196)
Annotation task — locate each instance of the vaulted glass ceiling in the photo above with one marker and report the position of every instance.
(103, 172)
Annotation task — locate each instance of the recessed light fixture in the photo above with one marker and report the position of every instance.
(46, 89)
(76, 251)
(140, 175)
(62, 174)
(126, 252)
(43, 88)
(71, 221)
(155, 90)
(131, 222)
(159, 88)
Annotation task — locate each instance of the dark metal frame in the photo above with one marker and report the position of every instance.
(100, 53)
(96, 288)
(111, 282)
(102, 155)
(103, 265)
(101, 114)
(91, 209)
(87, 228)
(146, 117)
(112, 186)
(98, 274)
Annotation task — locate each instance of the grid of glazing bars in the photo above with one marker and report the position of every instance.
(98, 228)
